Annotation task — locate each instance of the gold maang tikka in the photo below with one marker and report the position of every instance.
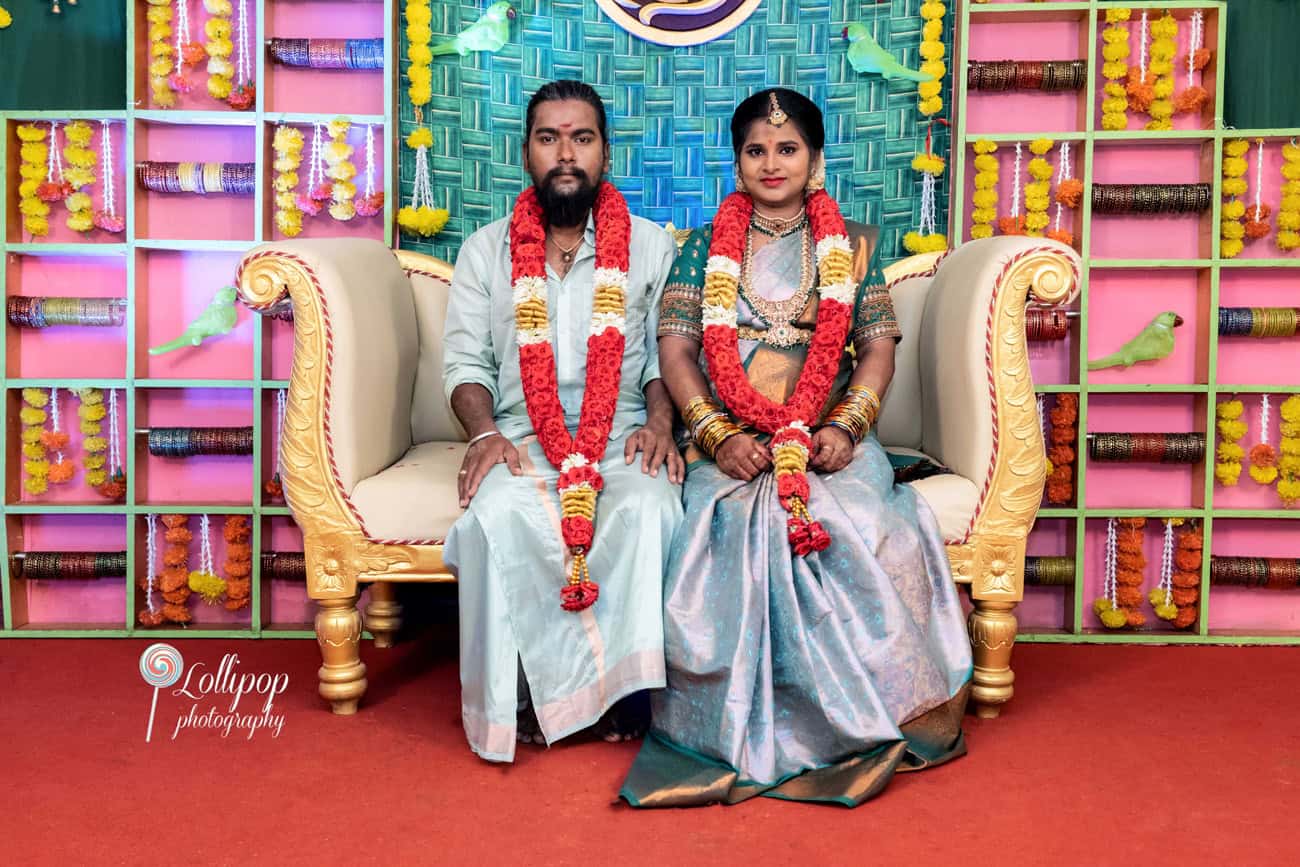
(775, 115)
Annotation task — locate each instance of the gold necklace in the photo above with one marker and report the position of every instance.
(778, 227)
(566, 256)
(779, 316)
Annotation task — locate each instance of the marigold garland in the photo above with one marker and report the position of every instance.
(33, 152)
(420, 217)
(56, 440)
(1231, 230)
(161, 52)
(1288, 216)
(1257, 215)
(1194, 98)
(790, 422)
(1061, 451)
(5, 18)
(91, 412)
(1037, 191)
(221, 70)
(1141, 80)
(1161, 596)
(932, 53)
(82, 160)
(1115, 69)
(239, 562)
(1229, 454)
(577, 458)
(1014, 222)
(204, 580)
(1263, 457)
(338, 159)
(1177, 601)
(926, 239)
(985, 198)
(1130, 562)
(288, 143)
(1288, 483)
(1164, 47)
(418, 71)
(36, 464)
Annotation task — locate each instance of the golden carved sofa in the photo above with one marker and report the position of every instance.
(370, 448)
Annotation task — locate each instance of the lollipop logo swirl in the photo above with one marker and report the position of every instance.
(160, 666)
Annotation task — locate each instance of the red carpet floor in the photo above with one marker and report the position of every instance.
(1108, 755)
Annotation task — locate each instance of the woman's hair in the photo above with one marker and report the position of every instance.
(566, 89)
(802, 111)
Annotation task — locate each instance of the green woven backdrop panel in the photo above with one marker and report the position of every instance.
(670, 110)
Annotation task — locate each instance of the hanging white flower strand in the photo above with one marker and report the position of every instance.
(106, 218)
(244, 94)
(421, 217)
(116, 472)
(1013, 224)
(1263, 457)
(1257, 224)
(1162, 595)
(370, 203)
(274, 487)
(1195, 97)
(151, 573)
(61, 470)
(178, 80)
(318, 192)
(926, 239)
(1042, 426)
(205, 582)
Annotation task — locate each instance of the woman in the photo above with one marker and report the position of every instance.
(814, 639)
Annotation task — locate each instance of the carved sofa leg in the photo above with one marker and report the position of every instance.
(383, 613)
(342, 673)
(992, 636)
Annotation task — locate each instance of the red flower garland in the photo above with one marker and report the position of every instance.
(577, 459)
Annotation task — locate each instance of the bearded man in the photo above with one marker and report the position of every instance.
(571, 480)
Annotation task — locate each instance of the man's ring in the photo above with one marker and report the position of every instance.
(756, 456)
(464, 472)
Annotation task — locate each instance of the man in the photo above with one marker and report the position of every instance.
(528, 577)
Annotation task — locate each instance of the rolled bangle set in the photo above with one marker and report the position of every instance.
(33, 311)
(1258, 321)
(1151, 198)
(236, 179)
(856, 413)
(327, 53)
(1163, 448)
(1046, 75)
(709, 424)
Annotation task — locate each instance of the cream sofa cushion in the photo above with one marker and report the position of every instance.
(415, 499)
(431, 416)
(900, 411)
(951, 497)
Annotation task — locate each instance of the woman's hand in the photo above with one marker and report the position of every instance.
(743, 457)
(832, 449)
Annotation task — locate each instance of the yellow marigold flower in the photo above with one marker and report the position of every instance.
(420, 138)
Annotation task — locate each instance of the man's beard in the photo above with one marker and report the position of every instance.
(568, 208)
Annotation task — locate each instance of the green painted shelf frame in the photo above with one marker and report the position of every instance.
(1088, 14)
(261, 626)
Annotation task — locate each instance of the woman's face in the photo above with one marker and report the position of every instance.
(775, 163)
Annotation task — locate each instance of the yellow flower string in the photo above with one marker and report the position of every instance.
(1164, 47)
(421, 217)
(926, 239)
(160, 52)
(1231, 229)
(1115, 54)
(1288, 483)
(1229, 454)
(932, 54)
(418, 71)
(5, 18)
(1037, 191)
(33, 152)
(219, 47)
(1288, 216)
(80, 173)
(36, 464)
(338, 159)
(92, 412)
(288, 143)
(985, 198)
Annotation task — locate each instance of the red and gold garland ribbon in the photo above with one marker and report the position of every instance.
(790, 422)
(577, 459)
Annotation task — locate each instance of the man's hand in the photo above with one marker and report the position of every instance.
(479, 459)
(657, 448)
(832, 449)
(743, 457)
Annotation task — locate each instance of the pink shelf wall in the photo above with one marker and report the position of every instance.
(1247, 493)
(200, 479)
(323, 225)
(1144, 236)
(1140, 485)
(198, 99)
(1259, 361)
(1254, 609)
(288, 599)
(172, 289)
(58, 217)
(1266, 248)
(188, 216)
(66, 351)
(1122, 302)
(99, 601)
(1094, 559)
(1054, 362)
(203, 613)
(1045, 607)
(1071, 218)
(333, 91)
(1026, 111)
(75, 491)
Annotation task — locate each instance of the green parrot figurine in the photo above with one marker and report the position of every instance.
(1152, 343)
(489, 33)
(866, 55)
(216, 319)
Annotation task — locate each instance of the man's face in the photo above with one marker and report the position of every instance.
(566, 156)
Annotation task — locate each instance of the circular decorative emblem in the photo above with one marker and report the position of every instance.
(678, 22)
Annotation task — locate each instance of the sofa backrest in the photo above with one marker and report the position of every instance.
(431, 415)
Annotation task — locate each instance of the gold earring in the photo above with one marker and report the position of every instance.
(817, 178)
(740, 182)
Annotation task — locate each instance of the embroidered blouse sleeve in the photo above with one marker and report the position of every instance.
(680, 314)
(873, 317)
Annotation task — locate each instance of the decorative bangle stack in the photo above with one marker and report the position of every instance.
(1049, 571)
(1151, 198)
(185, 442)
(856, 413)
(1163, 448)
(70, 565)
(327, 53)
(30, 311)
(235, 179)
(709, 424)
(1044, 324)
(1258, 321)
(284, 565)
(1274, 573)
(1046, 75)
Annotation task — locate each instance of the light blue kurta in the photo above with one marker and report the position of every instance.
(507, 547)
